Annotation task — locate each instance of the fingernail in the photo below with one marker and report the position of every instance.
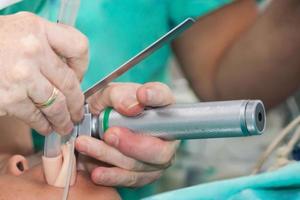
(129, 102)
(151, 95)
(112, 139)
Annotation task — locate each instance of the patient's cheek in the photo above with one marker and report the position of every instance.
(56, 169)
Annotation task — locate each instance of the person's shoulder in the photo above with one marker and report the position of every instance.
(13, 6)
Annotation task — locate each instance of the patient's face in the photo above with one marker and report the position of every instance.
(31, 185)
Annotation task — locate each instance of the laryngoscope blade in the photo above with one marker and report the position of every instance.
(172, 34)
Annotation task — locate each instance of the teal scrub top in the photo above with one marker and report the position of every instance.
(281, 184)
(117, 30)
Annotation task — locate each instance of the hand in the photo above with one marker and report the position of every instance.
(136, 159)
(31, 66)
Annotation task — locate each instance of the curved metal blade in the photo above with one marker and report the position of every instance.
(169, 36)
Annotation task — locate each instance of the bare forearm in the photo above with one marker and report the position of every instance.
(232, 53)
(201, 48)
(264, 63)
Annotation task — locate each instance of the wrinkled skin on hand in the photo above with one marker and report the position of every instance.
(31, 66)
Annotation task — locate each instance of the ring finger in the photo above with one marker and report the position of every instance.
(56, 111)
(65, 79)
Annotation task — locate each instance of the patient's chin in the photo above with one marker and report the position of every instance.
(84, 188)
(29, 181)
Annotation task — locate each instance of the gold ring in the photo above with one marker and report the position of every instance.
(49, 101)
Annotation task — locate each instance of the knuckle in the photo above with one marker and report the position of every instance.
(35, 117)
(133, 165)
(29, 19)
(12, 98)
(31, 46)
(113, 90)
(16, 98)
(95, 105)
(27, 22)
(132, 180)
(116, 91)
(70, 82)
(111, 87)
(31, 42)
(19, 73)
(138, 166)
(69, 85)
(82, 45)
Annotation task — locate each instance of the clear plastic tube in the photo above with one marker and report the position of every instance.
(67, 15)
(52, 145)
(68, 11)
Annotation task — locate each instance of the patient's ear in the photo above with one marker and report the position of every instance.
(17, 165)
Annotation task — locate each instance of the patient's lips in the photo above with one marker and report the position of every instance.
(56, 169)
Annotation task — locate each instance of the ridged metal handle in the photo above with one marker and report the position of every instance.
(190, 121)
